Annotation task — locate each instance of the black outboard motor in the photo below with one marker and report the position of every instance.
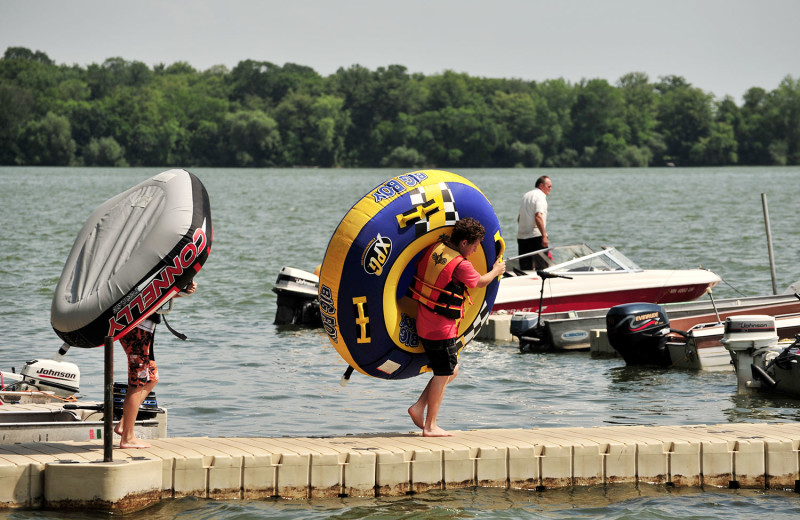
(522, 323)
(297, 298)
(638, 331)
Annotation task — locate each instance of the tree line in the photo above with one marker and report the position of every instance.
(124, 113)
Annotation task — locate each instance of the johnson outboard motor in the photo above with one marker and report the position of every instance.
(46, 375)
(638, 331)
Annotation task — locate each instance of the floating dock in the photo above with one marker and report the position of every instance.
(71, 475)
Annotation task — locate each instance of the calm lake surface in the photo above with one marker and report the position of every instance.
(240, 375)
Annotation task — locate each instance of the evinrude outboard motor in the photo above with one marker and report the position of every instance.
(638, 331)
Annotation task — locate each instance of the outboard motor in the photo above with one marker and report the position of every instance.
(522, 323)
(47, 375)
(147, 410)
(638, 331)
(752, 341)
(297, 298)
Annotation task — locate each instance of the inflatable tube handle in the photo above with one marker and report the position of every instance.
(61, 352)
(346, 376)
(499, 247)
(166, 308)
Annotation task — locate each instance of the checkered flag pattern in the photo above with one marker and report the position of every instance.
(421, 196)
(475, 326)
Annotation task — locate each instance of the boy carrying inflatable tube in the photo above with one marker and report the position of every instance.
(370, 263)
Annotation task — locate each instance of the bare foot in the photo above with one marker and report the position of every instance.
(417, 415)
(132, 444)
(118, 428)
(436, 432)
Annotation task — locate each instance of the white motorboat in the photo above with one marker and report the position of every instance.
(578, 278)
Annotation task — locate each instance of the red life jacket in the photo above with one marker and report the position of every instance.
(434, 285)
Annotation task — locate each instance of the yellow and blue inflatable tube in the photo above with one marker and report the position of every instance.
(370, 262)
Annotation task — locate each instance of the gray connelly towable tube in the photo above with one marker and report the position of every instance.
(134, 254)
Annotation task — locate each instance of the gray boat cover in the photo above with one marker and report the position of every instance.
(136, 251)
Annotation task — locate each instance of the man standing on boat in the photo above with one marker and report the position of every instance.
(532, 222)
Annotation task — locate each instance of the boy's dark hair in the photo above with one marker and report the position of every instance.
(467, 229)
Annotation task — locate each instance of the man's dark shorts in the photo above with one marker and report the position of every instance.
(529, 245)
(442, 355)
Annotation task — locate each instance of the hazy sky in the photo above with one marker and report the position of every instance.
(721, 46)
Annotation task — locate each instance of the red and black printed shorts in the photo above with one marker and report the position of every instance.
(142, 369)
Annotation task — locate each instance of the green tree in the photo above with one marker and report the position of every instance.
(684, 115)
(784, 116)
(525, 155)
(261, 114)
(755, 132)
(598, 124)
(452, 136)
(357, 86)
(641, 109)
(47, 141)
(17, 107)
(104, 152)
(26, 55)
(252, 138)
(114, 73)
(717, 149)
(554, 122)
(313, 129)
(402, 157)
(262, 84)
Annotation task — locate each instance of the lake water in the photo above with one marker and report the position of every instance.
(240, 375)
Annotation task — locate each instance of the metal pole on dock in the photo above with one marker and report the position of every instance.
(769, 243)
(108, 401)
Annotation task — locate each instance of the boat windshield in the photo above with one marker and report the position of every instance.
(580, 258)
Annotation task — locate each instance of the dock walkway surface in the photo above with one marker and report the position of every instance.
(71, 475)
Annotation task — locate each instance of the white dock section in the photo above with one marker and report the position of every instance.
(496, 328)
(71, 475)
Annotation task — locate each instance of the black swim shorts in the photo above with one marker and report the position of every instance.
(442, 355)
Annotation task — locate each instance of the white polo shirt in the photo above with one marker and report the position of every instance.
(533, 202)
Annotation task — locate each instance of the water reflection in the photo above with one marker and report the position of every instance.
(762, 407)
(612, 502)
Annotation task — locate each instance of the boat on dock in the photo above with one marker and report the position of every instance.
(571, 330)
(643, 334)
(38, 404)
(41, 418)
(581, 278)
(702, 348)
(762, 360)
(577, 280)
